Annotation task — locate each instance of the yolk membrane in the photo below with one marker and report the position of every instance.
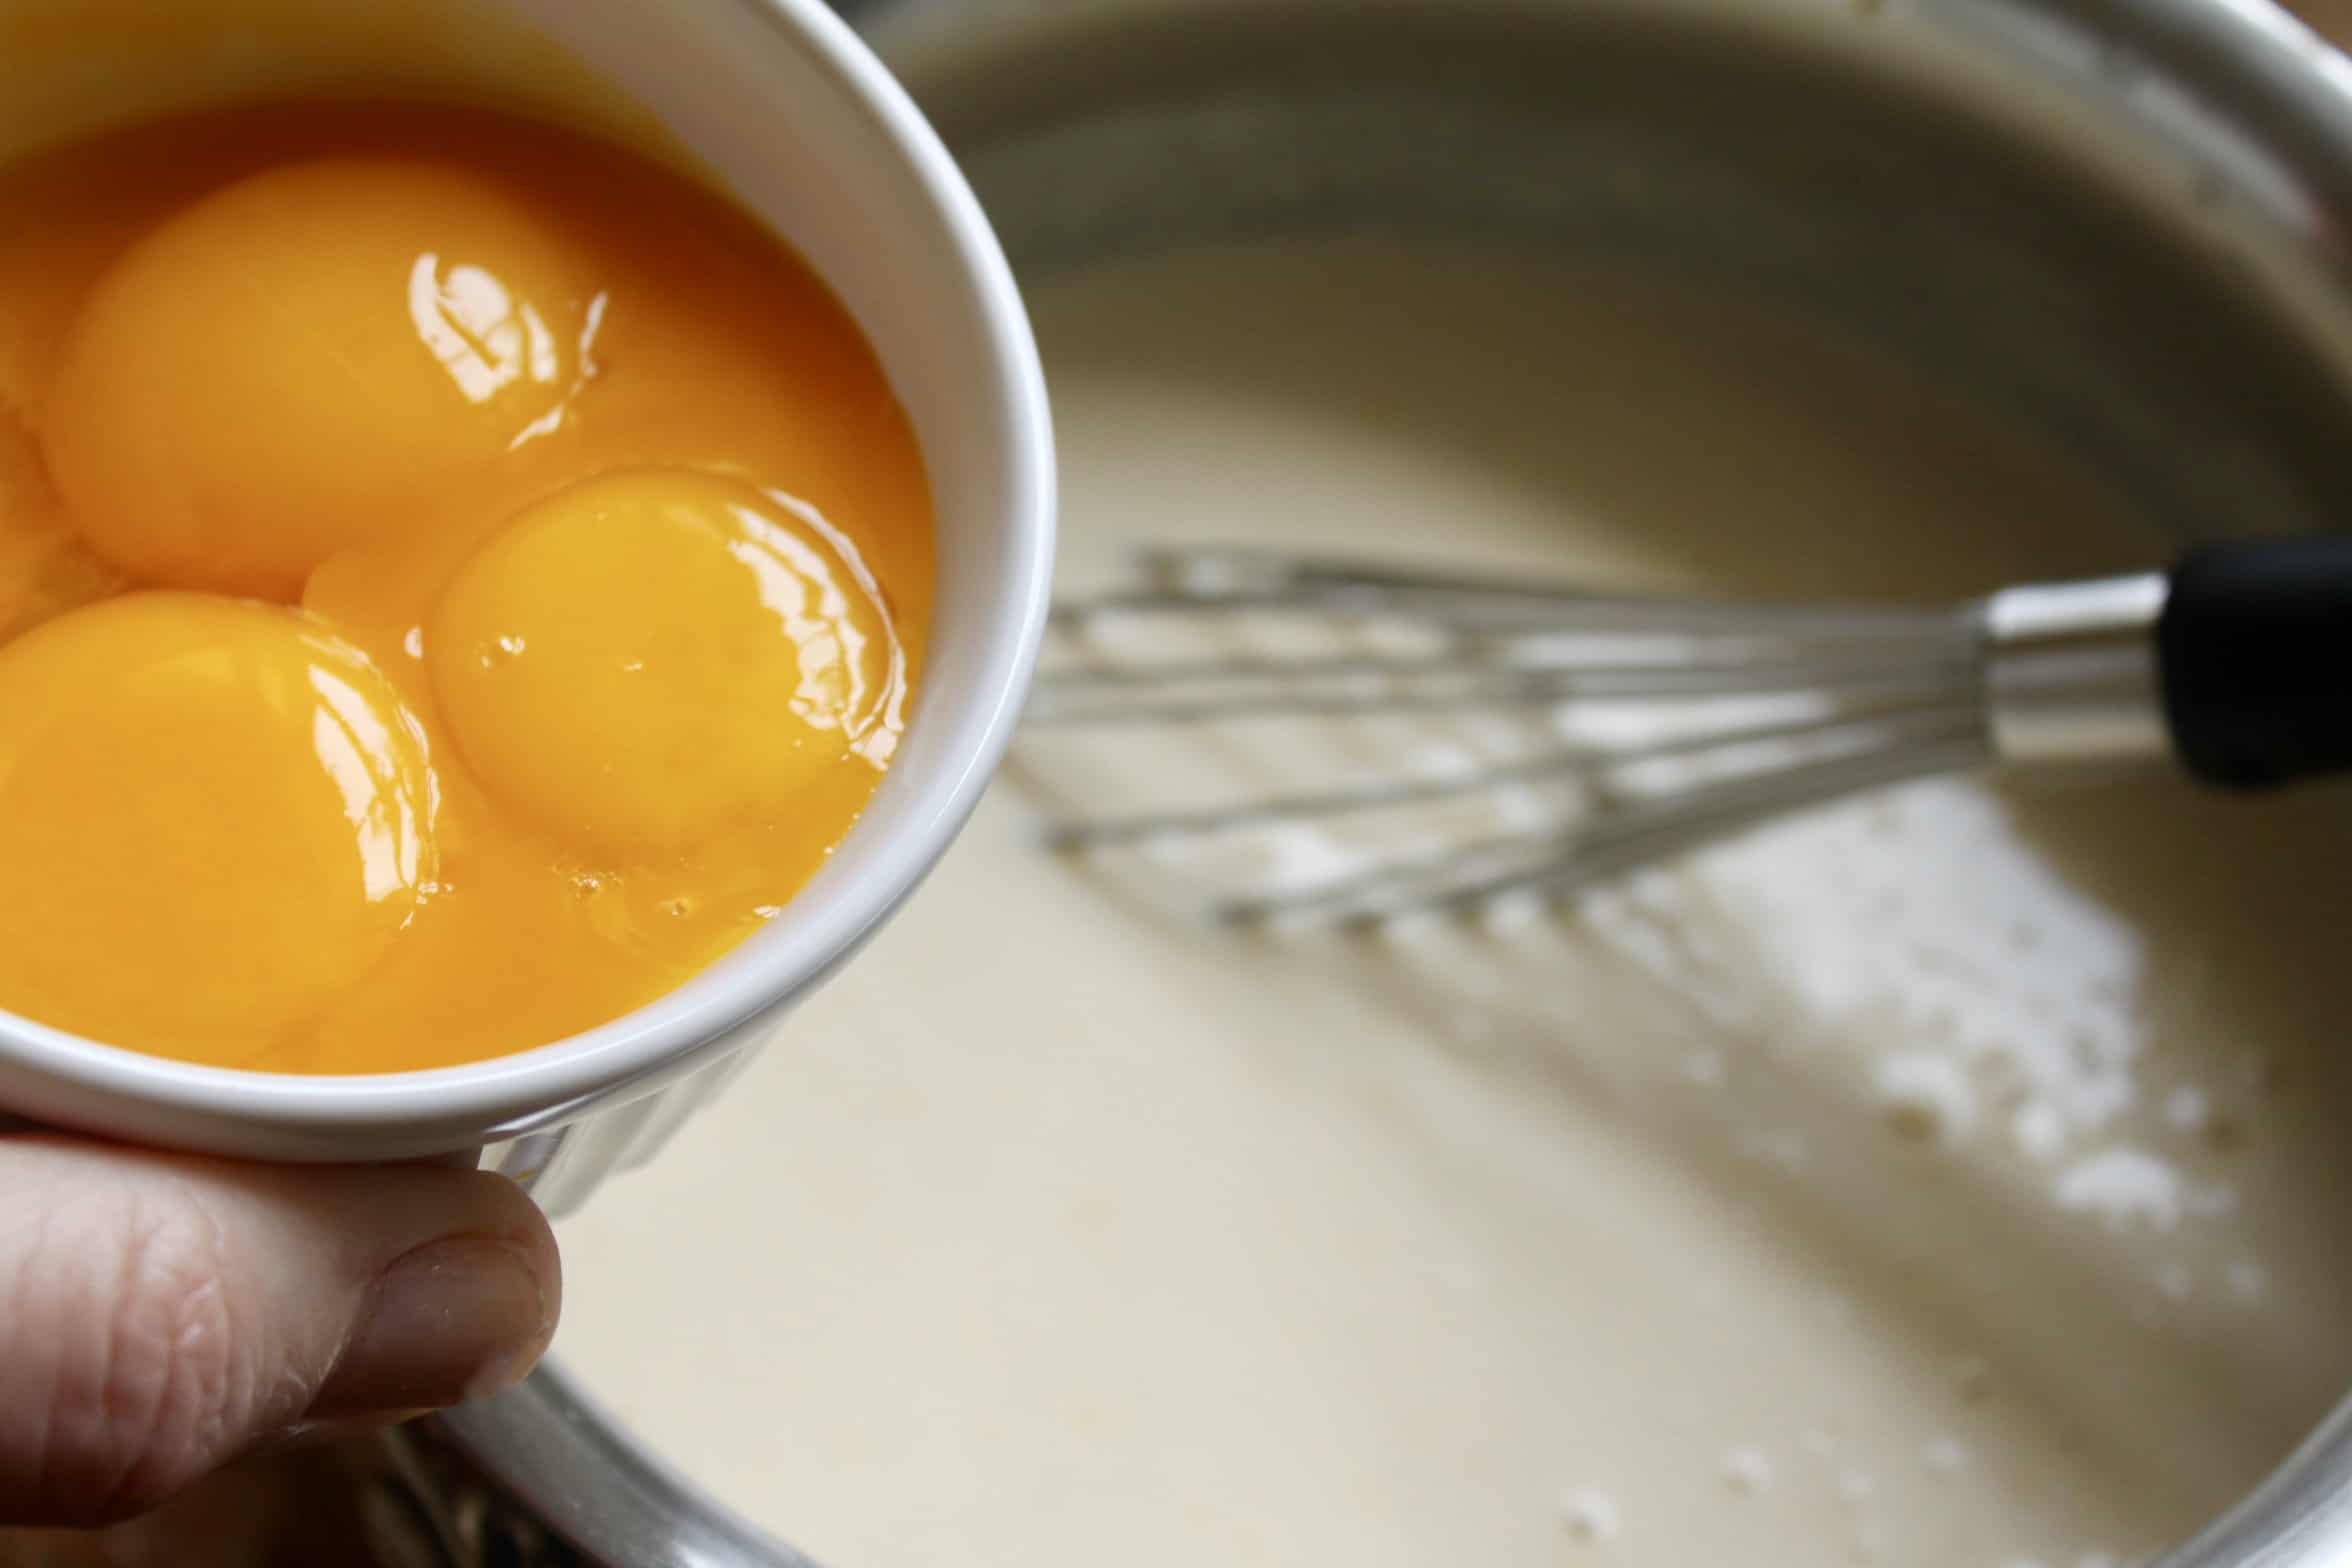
(214, 816)
(309, 358)
(649, 658)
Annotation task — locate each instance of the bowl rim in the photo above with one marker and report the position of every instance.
(53, 1073)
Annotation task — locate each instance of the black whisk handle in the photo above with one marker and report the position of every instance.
(2254, 656)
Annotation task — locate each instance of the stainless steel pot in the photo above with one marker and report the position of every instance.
(2122, 220)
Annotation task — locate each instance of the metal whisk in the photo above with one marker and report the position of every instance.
(2237, 662)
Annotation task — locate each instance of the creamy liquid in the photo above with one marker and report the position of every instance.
(1953, 1178)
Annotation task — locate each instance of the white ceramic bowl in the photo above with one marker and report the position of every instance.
(777, 103)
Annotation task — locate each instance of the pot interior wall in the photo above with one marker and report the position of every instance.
(1757, 160)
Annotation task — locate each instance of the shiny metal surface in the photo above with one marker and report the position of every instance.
(1855, 697)
(2070, 671)
(545, 1455)
(2120, 222)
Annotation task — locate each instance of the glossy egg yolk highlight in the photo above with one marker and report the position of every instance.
(650, 658)
(214, 817)
(309, 359)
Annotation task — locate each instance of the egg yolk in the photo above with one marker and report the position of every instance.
(650, 658)
(457, 581)
(214, 817)
(308, 358)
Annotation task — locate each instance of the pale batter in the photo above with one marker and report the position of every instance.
(1951, 1179)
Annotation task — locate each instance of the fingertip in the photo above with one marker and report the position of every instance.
(455, 1320)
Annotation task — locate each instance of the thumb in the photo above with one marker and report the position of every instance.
(160, 1315)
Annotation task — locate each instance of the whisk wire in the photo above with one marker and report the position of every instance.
(1585, 762)
(1853, 697)
(1572, 859)
(1246, 688)
(1229, 581)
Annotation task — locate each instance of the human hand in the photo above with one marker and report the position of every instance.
(161, 1315)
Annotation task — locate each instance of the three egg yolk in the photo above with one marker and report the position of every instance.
(217, 814)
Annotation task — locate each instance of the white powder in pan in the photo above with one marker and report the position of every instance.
(1927, 1095)
(2039, 1129)
(2128, 1186)
(1590, 1517)
(1944, 1454)
(1747, 1471)
(2188, 1108)
(1919, 918)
